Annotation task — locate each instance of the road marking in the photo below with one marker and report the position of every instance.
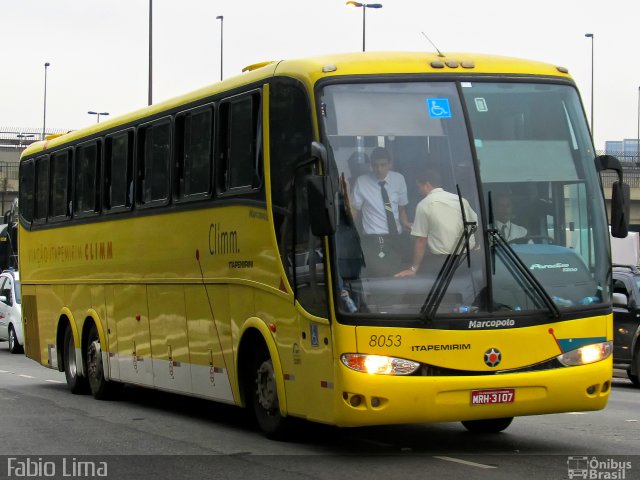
(465, 462)
(631, 420)
(29, 376)
(577, 413)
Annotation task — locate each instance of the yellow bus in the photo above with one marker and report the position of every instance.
(205, 245)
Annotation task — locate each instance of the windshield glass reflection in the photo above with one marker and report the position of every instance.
(411, 236)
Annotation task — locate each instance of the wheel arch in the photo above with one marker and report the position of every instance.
(92, 318)
(67, 320)
(255, 334)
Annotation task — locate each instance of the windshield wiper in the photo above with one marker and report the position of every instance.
(517, 268)
(449, 267)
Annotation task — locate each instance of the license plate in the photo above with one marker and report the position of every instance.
(491, 397)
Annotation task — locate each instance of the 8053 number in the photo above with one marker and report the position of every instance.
(385, 340)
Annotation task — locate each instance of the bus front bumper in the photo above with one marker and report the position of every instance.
(364, 399)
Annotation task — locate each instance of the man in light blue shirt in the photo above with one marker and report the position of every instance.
(379, 201)
(367, 197)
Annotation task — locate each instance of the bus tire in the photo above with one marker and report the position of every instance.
(77, 384)
(100, 387)
(263, 396)
(14, 346)
(491, 425)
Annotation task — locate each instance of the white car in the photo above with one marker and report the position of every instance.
(11, 311)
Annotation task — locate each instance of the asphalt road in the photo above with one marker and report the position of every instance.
(148, 434)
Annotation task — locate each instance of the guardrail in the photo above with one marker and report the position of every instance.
(631, 177)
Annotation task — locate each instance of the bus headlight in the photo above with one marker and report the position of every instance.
(587, 354)
(378, 364)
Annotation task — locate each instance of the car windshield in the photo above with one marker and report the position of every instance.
(406, 169)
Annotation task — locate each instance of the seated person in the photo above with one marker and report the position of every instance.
(503, 213)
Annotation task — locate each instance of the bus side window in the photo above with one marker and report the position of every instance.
(118, 168)
(240, 144)
(193, 154)
(42, 189)
(60, 188)
(87, 179)
(27, 189)
(154, 161)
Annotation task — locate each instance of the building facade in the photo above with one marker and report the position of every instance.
(626, 150)
(13, 140)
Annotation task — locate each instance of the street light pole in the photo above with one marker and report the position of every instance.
(221, 18)
(150, 51)
(364, 7)
(364, 27)
(97, 114)
(638, 138)
(44, 116)
(590, 35)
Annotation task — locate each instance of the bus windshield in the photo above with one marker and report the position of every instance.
(494, 181)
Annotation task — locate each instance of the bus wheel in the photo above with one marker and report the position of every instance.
(76, 383)
(264, 396)
(14, 346)
(492, 425)
(101, 388)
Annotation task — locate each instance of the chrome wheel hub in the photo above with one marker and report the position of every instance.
(266, 387)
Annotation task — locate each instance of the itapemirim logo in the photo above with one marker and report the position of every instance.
(597, 468)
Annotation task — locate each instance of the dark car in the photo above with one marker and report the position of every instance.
(626, 320)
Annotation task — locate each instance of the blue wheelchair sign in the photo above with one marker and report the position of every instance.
(315, 341)
(439, 107)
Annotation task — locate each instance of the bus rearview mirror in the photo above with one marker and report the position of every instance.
(619, 209)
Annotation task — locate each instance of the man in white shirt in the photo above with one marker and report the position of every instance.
(379, 199)
(438, 222)
(503, 212)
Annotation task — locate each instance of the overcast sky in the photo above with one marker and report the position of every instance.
(98, 49)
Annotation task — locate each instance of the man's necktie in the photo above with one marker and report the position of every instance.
(391, 221)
